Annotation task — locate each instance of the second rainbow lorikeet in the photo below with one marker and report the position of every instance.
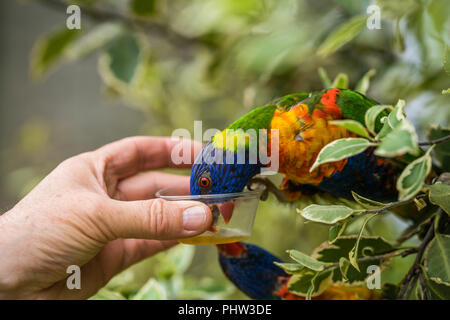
(253, 271)
(302, 121)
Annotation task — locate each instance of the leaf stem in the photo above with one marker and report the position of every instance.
(392, 205)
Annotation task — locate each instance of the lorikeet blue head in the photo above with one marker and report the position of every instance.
(217, 171)
(251, 269)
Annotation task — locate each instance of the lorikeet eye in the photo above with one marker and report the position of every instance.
(204, 182)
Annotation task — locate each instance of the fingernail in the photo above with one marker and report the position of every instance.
(194, 218)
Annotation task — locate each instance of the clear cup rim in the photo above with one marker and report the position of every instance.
(244, 194)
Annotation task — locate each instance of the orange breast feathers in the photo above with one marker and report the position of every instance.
(302, 134)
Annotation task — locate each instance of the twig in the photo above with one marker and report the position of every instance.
(384, 256)
(392, 205)
(436, 141)
(423, 285)
(406, 282)
(412, 233)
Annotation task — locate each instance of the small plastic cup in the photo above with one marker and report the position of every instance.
(233, 214)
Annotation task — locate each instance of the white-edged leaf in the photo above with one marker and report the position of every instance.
(343, 34)
(402, 139)
(94, 39)
(341, 149)
(364, 83)
(411, 180)
(306, 260)
(291, 268)
(50, 49)
(152, 290)
(341, 81)
(367, 203)
(397, 115)
(351, 125)
(440, 196)
(353, 254)
(344, 264)
(336, 231)
(328, 214)
(310, 283)
(372, 114)
(437, 259)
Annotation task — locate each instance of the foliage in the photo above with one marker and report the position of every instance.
(179, 61)
(162, 277)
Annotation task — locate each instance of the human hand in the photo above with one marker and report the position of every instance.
(92, 211)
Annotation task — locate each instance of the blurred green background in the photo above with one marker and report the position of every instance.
(149, 67)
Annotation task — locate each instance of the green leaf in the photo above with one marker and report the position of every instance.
(306, 260)
(341, 81)
(446, 91)
(143, 8)
(341, 149)
(371, 116)
(446, 60)
(440, 196)
(324, 77)
(175, 261)
(368, 246)
(397, 115)
(402, 139)
(364, 83)
(441, 150)
(121, 59)
(411, 180)
(353, 254)
(152, 290)
(336, 231)
(309, 283)
(344, 264)
(291, 268)
(95, 39)
(437, 291)
(106, 294)
(342, 35)
(328, 214)
(50, 49)
(394, 118)
(351, 125)
(437, 259)
(367, 203)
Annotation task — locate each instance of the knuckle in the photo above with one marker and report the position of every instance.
(157, 220)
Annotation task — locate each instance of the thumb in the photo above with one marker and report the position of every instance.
(157, 219)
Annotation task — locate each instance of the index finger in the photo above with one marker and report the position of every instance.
(129, 156)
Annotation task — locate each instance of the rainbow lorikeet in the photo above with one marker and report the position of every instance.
(302, 121)
(253, 271)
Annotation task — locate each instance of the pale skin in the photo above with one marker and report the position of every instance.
(96, 210)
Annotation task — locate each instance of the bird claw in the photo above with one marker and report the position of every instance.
(269, 187)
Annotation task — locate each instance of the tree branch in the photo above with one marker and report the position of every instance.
(412, 274)
(436, 141)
